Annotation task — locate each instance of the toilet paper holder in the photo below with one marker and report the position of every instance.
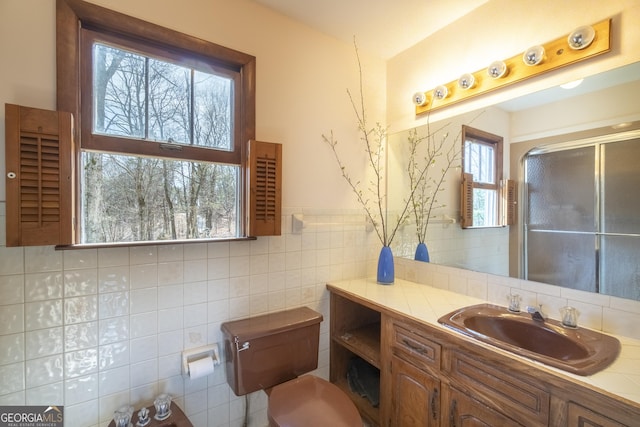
(198, 353)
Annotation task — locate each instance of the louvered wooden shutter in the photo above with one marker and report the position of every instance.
(39, 149)
(509, 197)
(265, 188)
(466, 201)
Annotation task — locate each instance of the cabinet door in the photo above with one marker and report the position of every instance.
(464, 411)
(522, 397)
(580, 416)
(415, 397)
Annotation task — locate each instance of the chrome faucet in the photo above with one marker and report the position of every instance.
(537, 313)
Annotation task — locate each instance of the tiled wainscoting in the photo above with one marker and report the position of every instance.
(93, 329)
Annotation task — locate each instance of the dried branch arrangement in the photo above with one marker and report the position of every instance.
(372, 197)
(422, 177)
(424, 183)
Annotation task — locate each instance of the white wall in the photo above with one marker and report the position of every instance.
(302, 77)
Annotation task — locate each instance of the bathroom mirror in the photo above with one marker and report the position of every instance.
(555, 115)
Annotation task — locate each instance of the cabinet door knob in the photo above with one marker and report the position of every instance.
(11, 175)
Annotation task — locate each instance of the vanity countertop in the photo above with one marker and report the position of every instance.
(426, 304)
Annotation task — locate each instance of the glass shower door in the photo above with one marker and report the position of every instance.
(561, 218)
(582, 227)
(620, 239)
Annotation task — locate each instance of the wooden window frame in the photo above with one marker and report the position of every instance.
(124, 145)
(75, 16)
(503, 214)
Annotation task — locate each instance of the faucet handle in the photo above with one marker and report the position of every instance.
(569, 316)
(514, 302)
(143, 418)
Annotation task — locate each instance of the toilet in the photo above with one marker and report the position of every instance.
(271, 353)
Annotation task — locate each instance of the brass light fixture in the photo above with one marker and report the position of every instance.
(584, 42)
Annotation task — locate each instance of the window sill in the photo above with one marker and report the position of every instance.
(480, 227)
(149, 243)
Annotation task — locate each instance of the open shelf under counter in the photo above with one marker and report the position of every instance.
(367, 411)
(363, 341)
(355, 332)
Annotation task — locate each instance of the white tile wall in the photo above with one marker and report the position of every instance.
(482, 249)
(97, 328)
(601, 312)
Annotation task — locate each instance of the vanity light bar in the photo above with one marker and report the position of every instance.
(582, 43)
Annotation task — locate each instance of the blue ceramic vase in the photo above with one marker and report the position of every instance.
(385, 266)
(422, 253)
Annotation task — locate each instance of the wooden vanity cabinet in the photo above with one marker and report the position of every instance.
(434, 382)
(430, 377)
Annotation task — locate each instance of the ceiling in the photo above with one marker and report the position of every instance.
(383, 27)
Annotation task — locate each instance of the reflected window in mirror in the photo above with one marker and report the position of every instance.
(481, 201)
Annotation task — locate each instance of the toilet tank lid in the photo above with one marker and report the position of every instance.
(272, 323)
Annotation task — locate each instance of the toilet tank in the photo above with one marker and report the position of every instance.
(263, 351)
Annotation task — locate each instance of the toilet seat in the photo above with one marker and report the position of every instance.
(309, 401)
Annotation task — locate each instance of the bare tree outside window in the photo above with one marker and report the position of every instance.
(135, 198)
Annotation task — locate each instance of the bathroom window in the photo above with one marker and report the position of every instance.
(582, 228)
(482, 176)
(190, 188)
(163, 123)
